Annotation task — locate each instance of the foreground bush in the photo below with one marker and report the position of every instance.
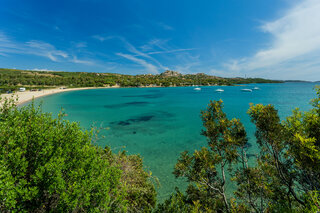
(140, 190)
(51, 165)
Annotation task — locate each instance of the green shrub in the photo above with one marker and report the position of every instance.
(51, 165)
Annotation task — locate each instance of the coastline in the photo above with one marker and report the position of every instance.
(27, 96)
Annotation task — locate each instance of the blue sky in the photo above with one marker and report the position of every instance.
(277, 39)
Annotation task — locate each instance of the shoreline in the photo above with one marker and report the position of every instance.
(24, 97)
(27, 96)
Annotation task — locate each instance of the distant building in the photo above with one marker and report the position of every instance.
(22, 89)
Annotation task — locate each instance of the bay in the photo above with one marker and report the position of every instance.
(160, 123)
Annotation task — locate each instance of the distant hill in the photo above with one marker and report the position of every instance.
(301, 81)
(170, 73)
(11, 79)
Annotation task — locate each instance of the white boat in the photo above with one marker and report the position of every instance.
(246, 90)
(197, 89)
(256, 88)
(219, 90)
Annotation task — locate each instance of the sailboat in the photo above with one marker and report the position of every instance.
(246, 90)
(197, 87)
(219, 90)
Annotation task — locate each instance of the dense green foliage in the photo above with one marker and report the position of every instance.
(51, 165)
(283, 177)
(140, 190)
(12, 79)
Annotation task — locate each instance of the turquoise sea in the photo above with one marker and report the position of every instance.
(160, 123)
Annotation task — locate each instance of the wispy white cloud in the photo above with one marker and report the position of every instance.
(188, 63)
(295, 40)
(165, 26)
(5, 43)
(154, 43)
(135, 53)
(134, 50)
(233, 65)
(81, 44)
(148, 66)
(39, 48)
(170, 51)
(160, 46)
(78, 61)
(3, 37)
(144, 55)
(102, 38)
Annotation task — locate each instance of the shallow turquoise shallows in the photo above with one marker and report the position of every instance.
(160, 123)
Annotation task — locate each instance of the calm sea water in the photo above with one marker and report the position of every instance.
(160, 123)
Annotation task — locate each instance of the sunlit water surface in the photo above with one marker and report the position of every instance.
(160, 123)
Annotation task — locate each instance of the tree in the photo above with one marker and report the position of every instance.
(51, 165)
(140, 190)
(283, 177)
(290, 153)
(206, 168)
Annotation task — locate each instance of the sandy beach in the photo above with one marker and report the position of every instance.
(26, 96)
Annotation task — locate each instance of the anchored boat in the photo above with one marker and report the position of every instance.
(246, 90)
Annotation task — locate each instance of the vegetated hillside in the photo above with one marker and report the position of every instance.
(12, 79)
